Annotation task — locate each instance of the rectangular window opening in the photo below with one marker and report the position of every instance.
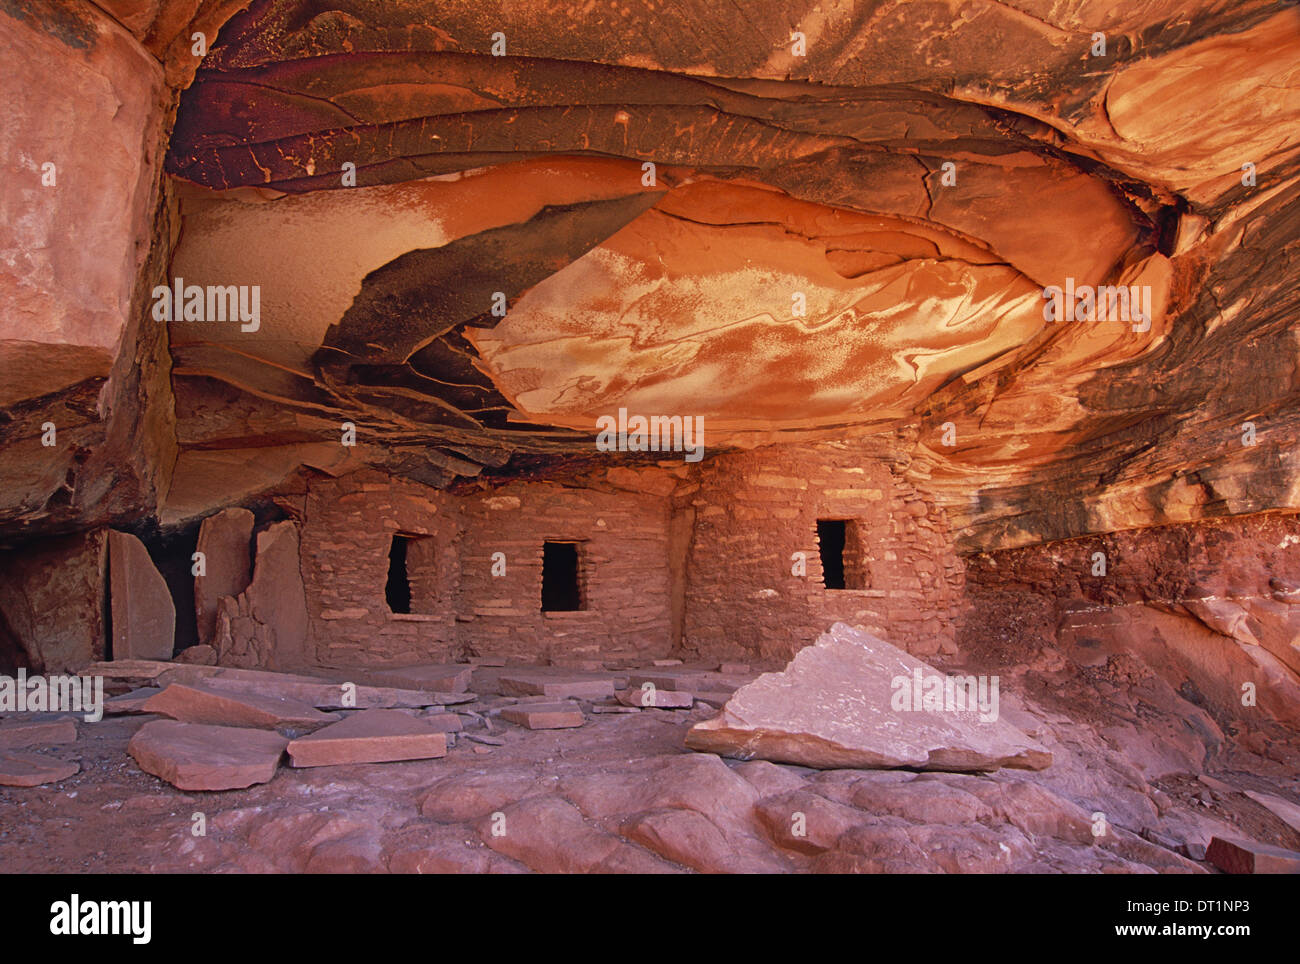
(845, 563)
(415, 583)
(831, 537)
(398, 588)
(561, 591)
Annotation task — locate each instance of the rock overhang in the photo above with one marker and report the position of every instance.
(834, 227)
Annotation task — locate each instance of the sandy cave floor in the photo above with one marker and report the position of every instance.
(622, 794)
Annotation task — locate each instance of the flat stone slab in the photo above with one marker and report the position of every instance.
(668, 679)
(444, 677)
(556, 684)
(544, 716)
(132, 702)
(1284, 810)
(201, 704)
(129, 668)
(195, 756)
(331, 696)
(717, 700)
(32, 769)
(203, 655)
(655, 698)
(578, 663)
(687, 680)
(444, 722)
(324, 694)
(371, 736)
(19, 733)
(838, 705)
(185, 672)
(1236, 856)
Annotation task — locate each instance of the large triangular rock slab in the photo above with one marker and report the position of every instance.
(196, 703)
(194, 756)
(371, 736)
(834, 705)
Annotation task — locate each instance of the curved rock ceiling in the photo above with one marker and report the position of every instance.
(688, 215)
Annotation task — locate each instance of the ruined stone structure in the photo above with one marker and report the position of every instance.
(721, 561)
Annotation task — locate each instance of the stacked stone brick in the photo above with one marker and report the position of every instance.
(696, 560)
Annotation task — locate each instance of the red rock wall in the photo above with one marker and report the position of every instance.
(1240, 556)
(52, 597)
(755, 510)
(86, 98)
(1209, 606)
(82, 241)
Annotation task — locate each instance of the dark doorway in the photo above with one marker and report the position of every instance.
(398, 589)
(831, 536)
(560, 592)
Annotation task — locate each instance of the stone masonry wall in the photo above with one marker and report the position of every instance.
(624, 579)
(683, 560)
(345, 541)
(459, 606)
(756, 510)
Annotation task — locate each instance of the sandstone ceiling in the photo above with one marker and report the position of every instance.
(686, 215)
